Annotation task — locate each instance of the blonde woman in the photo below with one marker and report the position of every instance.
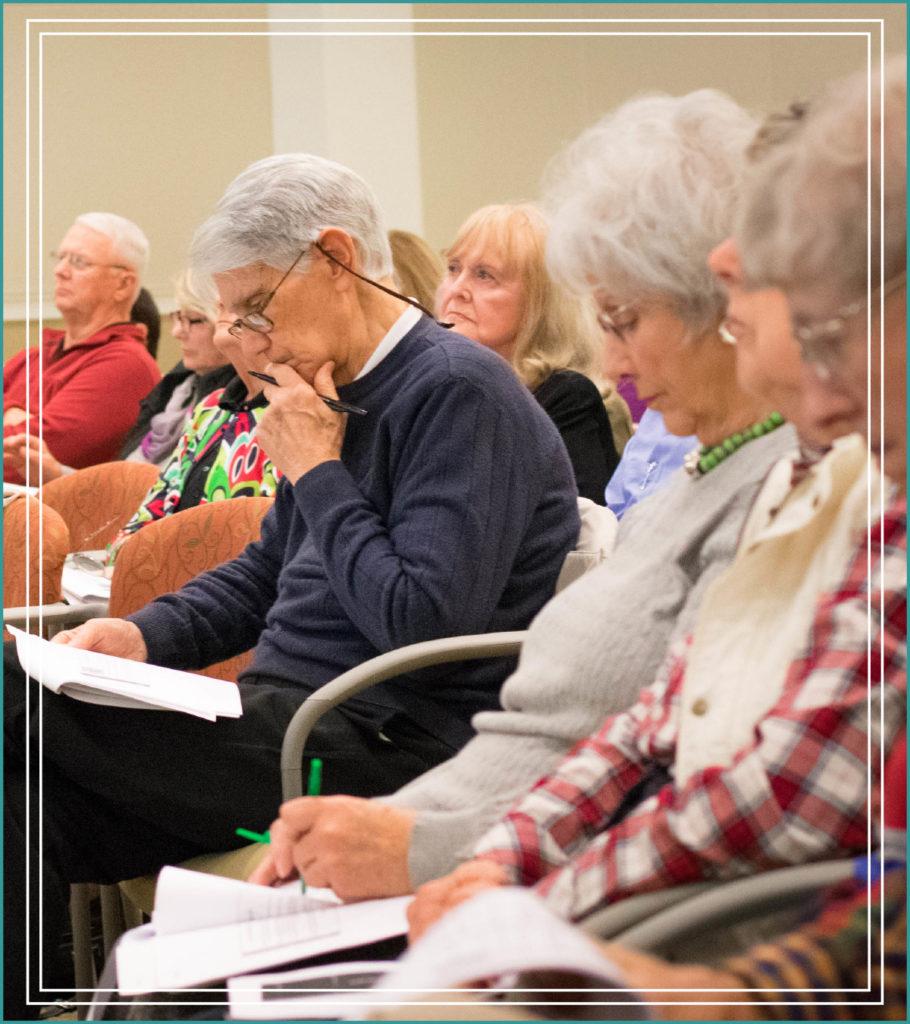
(203, 368)
(497, 292)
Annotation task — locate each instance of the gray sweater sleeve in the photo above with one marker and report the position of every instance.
(589, 652)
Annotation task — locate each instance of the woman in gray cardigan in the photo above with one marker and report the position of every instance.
(668, 172)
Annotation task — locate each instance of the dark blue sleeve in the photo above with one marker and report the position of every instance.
(474, 483)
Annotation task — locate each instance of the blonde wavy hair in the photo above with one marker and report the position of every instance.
(196, 293)
(418, 268)
(557, 330)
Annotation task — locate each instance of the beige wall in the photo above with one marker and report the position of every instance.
(150, 127)
(154, 127)
(494, 109)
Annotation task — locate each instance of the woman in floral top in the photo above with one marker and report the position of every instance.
(218, 456)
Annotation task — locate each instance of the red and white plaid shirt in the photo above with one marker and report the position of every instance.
(799, 792)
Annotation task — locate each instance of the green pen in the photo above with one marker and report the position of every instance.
(256, 837)
(314, 784)
(315, 781)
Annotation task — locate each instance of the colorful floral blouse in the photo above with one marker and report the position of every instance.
(218, 456)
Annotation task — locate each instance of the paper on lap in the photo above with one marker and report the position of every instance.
(120, 682)
(205, 928)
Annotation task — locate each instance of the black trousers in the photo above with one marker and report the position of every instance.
(120, 792)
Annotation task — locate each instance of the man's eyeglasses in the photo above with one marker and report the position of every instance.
(259, 323)
(822, 343)
(256, 320)
(183, 320)
(79, 262)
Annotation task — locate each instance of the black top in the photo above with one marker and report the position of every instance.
(574, 404)
(156, 400)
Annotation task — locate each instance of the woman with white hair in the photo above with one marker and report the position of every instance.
(613, 237)
(811, 210)
(599, 642)
(497, 292)
(831, 232)
(751, 749)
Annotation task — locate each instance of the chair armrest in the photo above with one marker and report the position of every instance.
(726, 903)
(57, 616)
(376, 670)
(617, 918)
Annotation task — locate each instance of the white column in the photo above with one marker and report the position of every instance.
(350, 98)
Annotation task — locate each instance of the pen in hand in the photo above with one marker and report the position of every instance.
(314, 785)
(332, 403)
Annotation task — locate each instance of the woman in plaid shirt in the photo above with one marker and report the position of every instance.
(797, 789)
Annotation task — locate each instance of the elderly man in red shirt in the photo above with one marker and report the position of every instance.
(80, 389)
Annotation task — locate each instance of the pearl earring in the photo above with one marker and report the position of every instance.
(725, 334)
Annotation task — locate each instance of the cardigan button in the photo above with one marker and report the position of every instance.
(700, 707)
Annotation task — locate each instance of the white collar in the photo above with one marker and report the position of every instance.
(394, 334)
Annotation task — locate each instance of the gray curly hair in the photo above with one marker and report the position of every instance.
(640, 199)
(830, 203)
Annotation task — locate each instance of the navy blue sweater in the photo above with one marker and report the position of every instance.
(450, 511)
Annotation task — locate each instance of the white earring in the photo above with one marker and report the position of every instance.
(725, 335)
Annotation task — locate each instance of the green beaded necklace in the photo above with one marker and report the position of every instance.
(703, 460)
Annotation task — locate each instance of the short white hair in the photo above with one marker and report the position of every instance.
(129, 242)
(276, 205)
(812, 207)
(640, 199)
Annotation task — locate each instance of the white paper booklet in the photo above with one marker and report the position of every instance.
(491, 938)
(119, 682)
(85, 578)
(205, 928)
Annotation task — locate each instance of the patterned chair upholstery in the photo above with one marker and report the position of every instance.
(35, 543)
(164, 555)
(155, 560)
(97, 501)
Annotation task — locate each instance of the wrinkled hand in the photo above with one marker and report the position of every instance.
(106, 636)
(436, 898)
(704, 986)
(358, 848)
(299, 431)
(27, 450)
